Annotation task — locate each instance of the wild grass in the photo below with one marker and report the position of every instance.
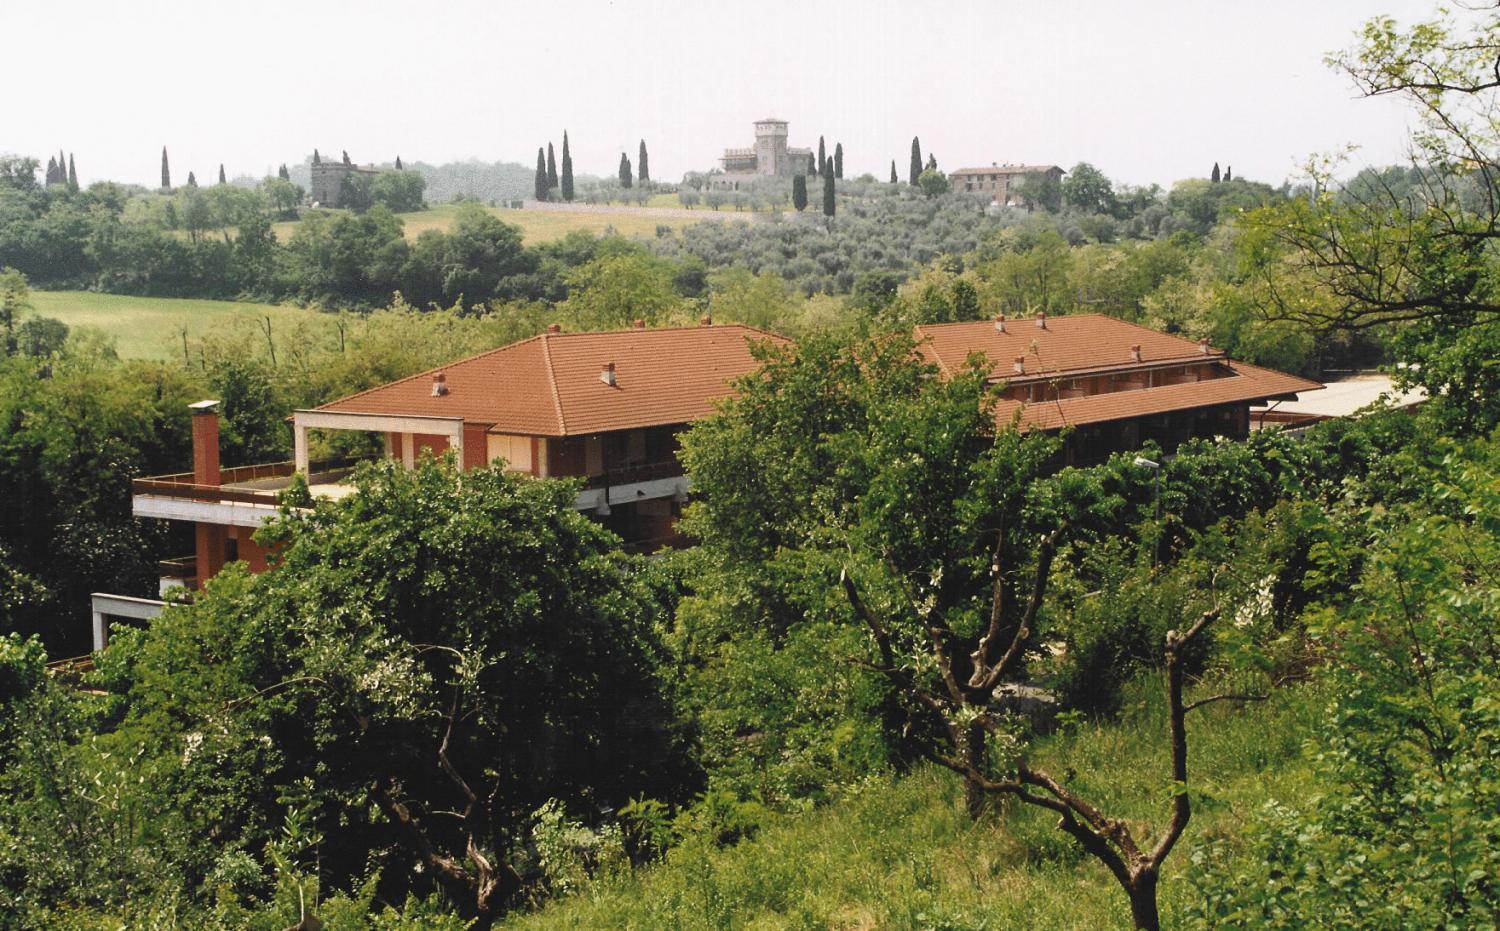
(152, 327)
(899, 852)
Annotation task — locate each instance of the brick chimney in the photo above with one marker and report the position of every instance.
(705, 320)
(1135, 352)
(1000, 322)
(1041, 319)
(638, 324)
(1203, 346)
(607, 374)
(205, 442)
(1020, 365)
(439, 385)
(554, 328)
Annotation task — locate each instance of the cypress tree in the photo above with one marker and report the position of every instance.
(283, 174)
(642, 171)
(541, 174)
(1229, 173)
(346, 158)
(192, 181)
(398, 164)
(166, 174)
(812, 167)
(931, 162)
(916, 161)
(1215, 176)
(222, 180)
(62, 167)
(551, 168)
(72, 173)
(828, 203)
(624, 171)
(894, 178)
(838, 161)
(51, 178)
(799, 192)
(567, 170)
(822, 156)
(317, 159)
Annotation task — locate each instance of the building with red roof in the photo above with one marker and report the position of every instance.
(1115, 384)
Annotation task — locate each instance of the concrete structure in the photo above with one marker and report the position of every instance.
(1114, 383)
(769, 157)
(327, 179)
(999, 182)
(1343, 398)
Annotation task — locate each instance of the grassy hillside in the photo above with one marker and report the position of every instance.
(900, 852)
(151, 327)
(536, 225)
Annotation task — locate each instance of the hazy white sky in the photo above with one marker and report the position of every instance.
(1148, 91)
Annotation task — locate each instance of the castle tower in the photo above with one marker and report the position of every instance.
(770, 148)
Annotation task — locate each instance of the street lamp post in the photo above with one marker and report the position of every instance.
(1155, 467)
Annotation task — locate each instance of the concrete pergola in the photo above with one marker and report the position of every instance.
(405, 424)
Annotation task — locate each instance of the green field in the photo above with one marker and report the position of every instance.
(536, 225)
(151, 327)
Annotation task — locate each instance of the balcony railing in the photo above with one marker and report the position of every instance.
(630, 475)
(253, 484)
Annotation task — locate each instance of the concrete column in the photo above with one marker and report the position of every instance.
(299, 445)
(101, 632)
(408, 450)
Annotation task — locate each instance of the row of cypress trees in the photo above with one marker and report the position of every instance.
(548, 178)
(61, 171)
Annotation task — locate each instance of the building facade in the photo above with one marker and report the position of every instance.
(327, 179)
(770, 156)
(999, 182)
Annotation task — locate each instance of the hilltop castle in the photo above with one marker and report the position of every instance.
(770, 156)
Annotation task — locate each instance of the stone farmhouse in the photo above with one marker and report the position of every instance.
(327, 179)
(608, 408)
(999, 182)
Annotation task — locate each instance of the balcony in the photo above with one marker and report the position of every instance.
(642, 482)
(246, 496)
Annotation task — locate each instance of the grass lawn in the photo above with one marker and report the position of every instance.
(151, 327)
(536, 225)
(898, 852)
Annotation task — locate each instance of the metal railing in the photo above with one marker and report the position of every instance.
(630, 475)
(181, 484)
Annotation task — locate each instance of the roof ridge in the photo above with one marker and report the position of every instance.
(562, 422)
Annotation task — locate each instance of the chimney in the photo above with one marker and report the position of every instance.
(705, 320)
(1000, 322)
(554, 328)
(638, 324)
(205, 442)
(1041, 320)
(439, 385)
(1020, 365)
(1135, 352)
(1203, 346)
(607, 374)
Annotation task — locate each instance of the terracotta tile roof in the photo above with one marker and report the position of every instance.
(1248, 385)
(549, 385)
(1087, 344)
(1072, 345)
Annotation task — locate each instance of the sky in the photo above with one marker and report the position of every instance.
(1148, 91)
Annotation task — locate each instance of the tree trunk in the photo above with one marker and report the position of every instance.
(1143, 902)
(975, 797)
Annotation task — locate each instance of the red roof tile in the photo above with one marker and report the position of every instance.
(1071, 345)
(549, 385)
